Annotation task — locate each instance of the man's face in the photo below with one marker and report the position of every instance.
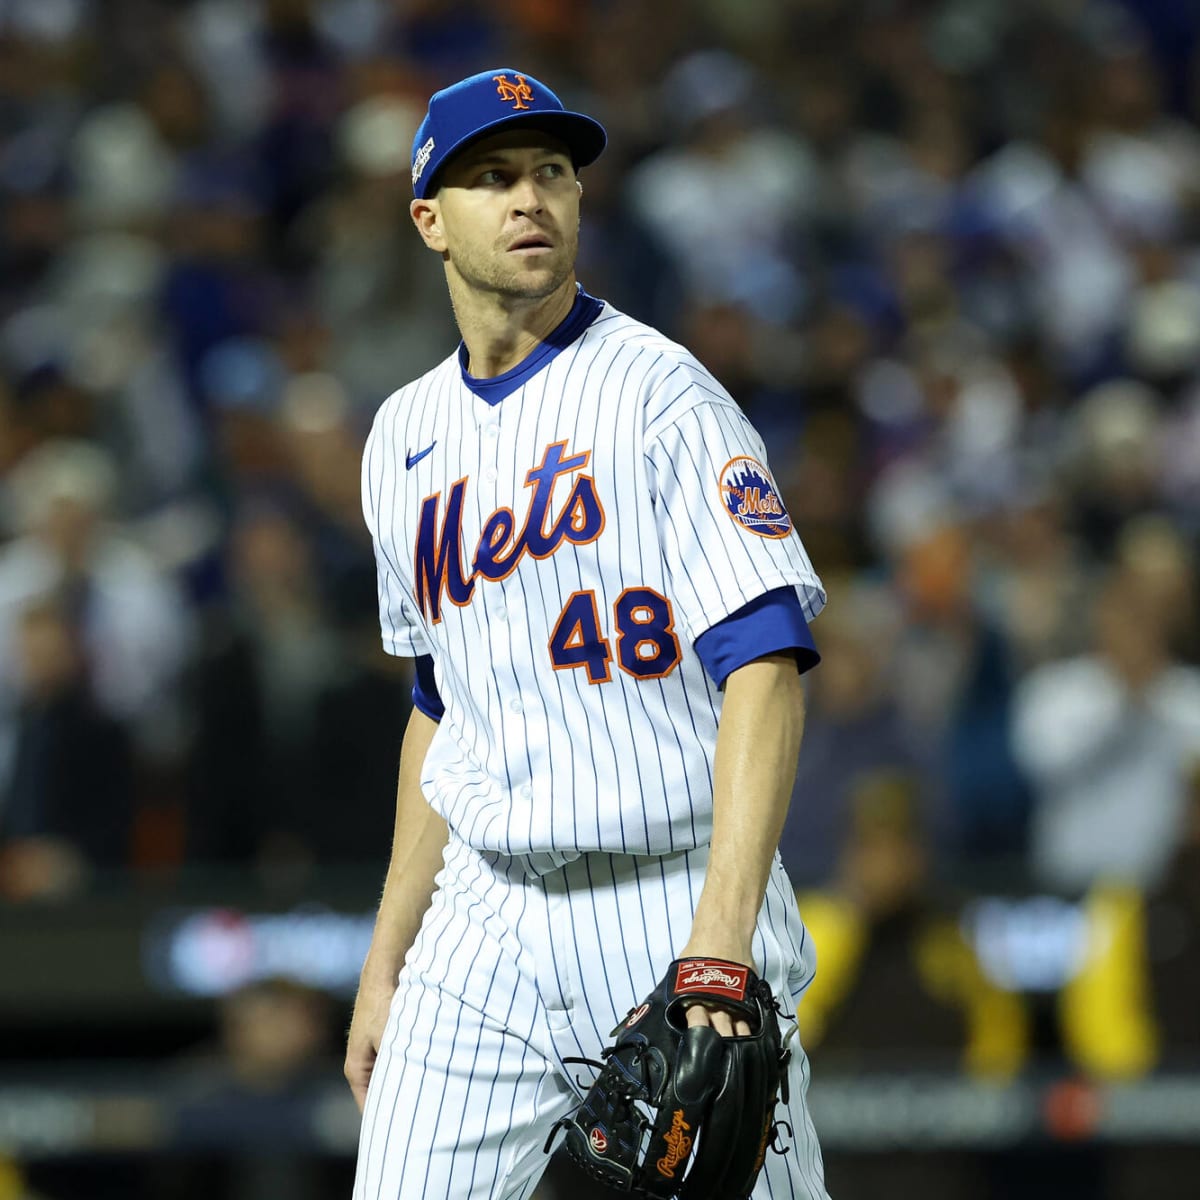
(506, 216)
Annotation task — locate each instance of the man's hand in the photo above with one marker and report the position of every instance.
(711, 1012)
(720, 1019)
(375, 992)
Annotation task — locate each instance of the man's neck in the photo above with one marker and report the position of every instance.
(499, 335)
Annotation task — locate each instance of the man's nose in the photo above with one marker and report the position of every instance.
(526, 195)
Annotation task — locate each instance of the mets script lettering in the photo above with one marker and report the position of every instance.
(755, 504)
(520, 93)
(439, 569)
(679, 1145)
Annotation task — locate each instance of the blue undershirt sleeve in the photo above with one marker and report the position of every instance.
(425, 694)
(770, 623)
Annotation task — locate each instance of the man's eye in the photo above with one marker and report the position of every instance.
(490, 177)
(554, 170)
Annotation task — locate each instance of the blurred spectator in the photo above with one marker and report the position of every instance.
(853, 729)
(1037, 199)
(1145, 161)
(257, 682)
(1172, 941)
(123, 612)
(1108, 739)
(956, 679)
(450, 38)
(1135, 1003)
(297, 723)
(272, 1038)
(293, 147)
(255, 1087)
(1112, 461)
(898, 982)
(66, 811)
(687, 194)
(899, 986)
(219, 285)
(1165, 565)
(1134, 1006)
(49, 405)
(323, 452)
(1037, 581)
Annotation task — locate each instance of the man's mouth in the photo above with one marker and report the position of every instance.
(531, 243)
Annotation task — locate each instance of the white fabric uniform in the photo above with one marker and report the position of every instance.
(558, 553)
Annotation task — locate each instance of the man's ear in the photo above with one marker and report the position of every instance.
(427, 217)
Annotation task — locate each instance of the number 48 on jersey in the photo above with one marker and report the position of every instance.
(647, 647)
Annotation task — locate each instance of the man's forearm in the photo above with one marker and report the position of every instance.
(417, 844)
(757, 747)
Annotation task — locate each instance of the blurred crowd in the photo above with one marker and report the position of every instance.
(943, 252)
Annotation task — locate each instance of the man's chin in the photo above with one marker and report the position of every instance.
(534, 284)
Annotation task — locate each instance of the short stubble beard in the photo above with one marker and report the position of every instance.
(501, 279)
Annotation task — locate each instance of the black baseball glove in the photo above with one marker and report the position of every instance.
(679, 1111)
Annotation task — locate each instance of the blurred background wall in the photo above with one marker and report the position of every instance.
(943, 252)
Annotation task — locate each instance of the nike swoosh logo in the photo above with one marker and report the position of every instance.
(411, 460)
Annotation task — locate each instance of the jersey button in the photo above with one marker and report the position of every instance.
(515, 705)
(526, 792)
(492, 430)
(489, 474)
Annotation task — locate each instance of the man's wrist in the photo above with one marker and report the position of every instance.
(729, 904)
(727, 942)
(380, 969)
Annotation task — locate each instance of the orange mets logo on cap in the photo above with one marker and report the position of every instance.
(752, 499)
(520, 93)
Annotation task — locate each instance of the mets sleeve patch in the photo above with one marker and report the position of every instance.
(752, 499)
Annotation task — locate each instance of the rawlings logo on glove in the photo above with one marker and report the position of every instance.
(681, 1111)
(727, 980)
(679, 1145)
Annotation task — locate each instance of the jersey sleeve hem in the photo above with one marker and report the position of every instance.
(772, 624)
(810, 592)
(404, 645)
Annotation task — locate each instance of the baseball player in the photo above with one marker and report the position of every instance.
(579, 541)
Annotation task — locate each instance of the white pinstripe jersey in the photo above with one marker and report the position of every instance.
(558, 553)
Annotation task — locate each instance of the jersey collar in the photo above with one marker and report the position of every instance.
(583, 312)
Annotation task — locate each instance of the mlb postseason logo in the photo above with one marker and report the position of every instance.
(421, 161)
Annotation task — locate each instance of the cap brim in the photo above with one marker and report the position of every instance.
(584, 137)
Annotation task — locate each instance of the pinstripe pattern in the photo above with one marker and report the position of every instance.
(580, 812)
(659, 429)
(518, 965)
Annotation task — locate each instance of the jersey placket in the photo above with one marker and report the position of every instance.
(500, 598)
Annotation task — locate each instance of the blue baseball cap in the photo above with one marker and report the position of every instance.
(489, 101)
